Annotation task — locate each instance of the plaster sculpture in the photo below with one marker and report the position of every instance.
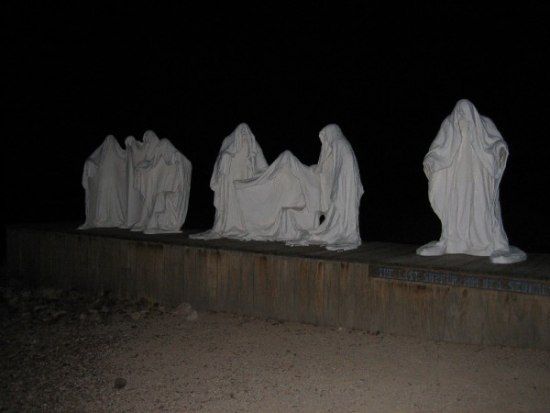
(464, 166)
(240, 157)
(282, 203)
(137, 152)
(163, 179)
(104, 180)
(341, 192)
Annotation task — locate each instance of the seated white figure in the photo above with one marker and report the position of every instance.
(464, 166)
(104, 181)
(163, 178)
(240, 157)
(341, 192)
(282, 203)
(137, 152)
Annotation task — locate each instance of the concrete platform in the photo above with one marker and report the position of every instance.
(378, 287)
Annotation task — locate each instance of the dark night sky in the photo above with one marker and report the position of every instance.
(190, 73)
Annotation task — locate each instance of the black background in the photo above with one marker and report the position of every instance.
(388, 76)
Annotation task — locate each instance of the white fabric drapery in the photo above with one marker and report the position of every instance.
(341, 192)
(240, 157)
(285, 201)
(282, 203)
(143, 188)
(163, 180)
(104, 180)
(464, 166)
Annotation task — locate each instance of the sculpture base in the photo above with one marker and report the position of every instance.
(437, 248)
(377, 287)
(512, 256)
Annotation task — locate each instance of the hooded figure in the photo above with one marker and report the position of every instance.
(282, 203)
(163, 179)
(104, 181)
(464, 166)
(240, 157)
(341, 192)
(137, 152)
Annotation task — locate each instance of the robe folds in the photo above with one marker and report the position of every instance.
(137, 152)
(163, 179)
(341, 192)
(240, 157)
(143, 188)
(286, 200)
(282, 203)
(464, 167)
(104, 180)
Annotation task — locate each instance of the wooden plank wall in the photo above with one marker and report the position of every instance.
(310, 290)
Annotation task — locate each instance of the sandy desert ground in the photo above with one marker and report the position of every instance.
(64, 351)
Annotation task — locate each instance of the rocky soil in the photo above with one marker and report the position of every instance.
(67, 351)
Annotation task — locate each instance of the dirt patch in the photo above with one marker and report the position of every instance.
(64, 351)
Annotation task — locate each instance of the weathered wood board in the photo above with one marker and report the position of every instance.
(378, 287)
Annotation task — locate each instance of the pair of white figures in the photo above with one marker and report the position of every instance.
(144, 187)
(288, 201)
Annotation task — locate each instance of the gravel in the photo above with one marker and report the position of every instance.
(67, 351)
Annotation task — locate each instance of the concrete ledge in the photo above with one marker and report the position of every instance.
(379, 287)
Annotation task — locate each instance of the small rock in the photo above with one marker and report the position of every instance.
(83, 316)
(51, 293)
(184, 309)
(193, 316)
(58, 314)
(119, 383)
(136, 315)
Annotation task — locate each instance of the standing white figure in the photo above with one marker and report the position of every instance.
(240, 157)
(104, 180)
(464, 166)
(282, 203)
(137, 152)
(163, 178)
(341, 192)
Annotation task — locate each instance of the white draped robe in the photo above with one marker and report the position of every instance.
(341, 192)
(163, 179)
(240, 157)
(464, 166)
(143, 188)
(137, 152)
(104, 180)
(282, 203)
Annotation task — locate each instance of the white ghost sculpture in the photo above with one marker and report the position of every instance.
(137, 152)
(104, 181)
(464, 166)
(163, 179)
(282, 203)
(240, 157)
(341, 192)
